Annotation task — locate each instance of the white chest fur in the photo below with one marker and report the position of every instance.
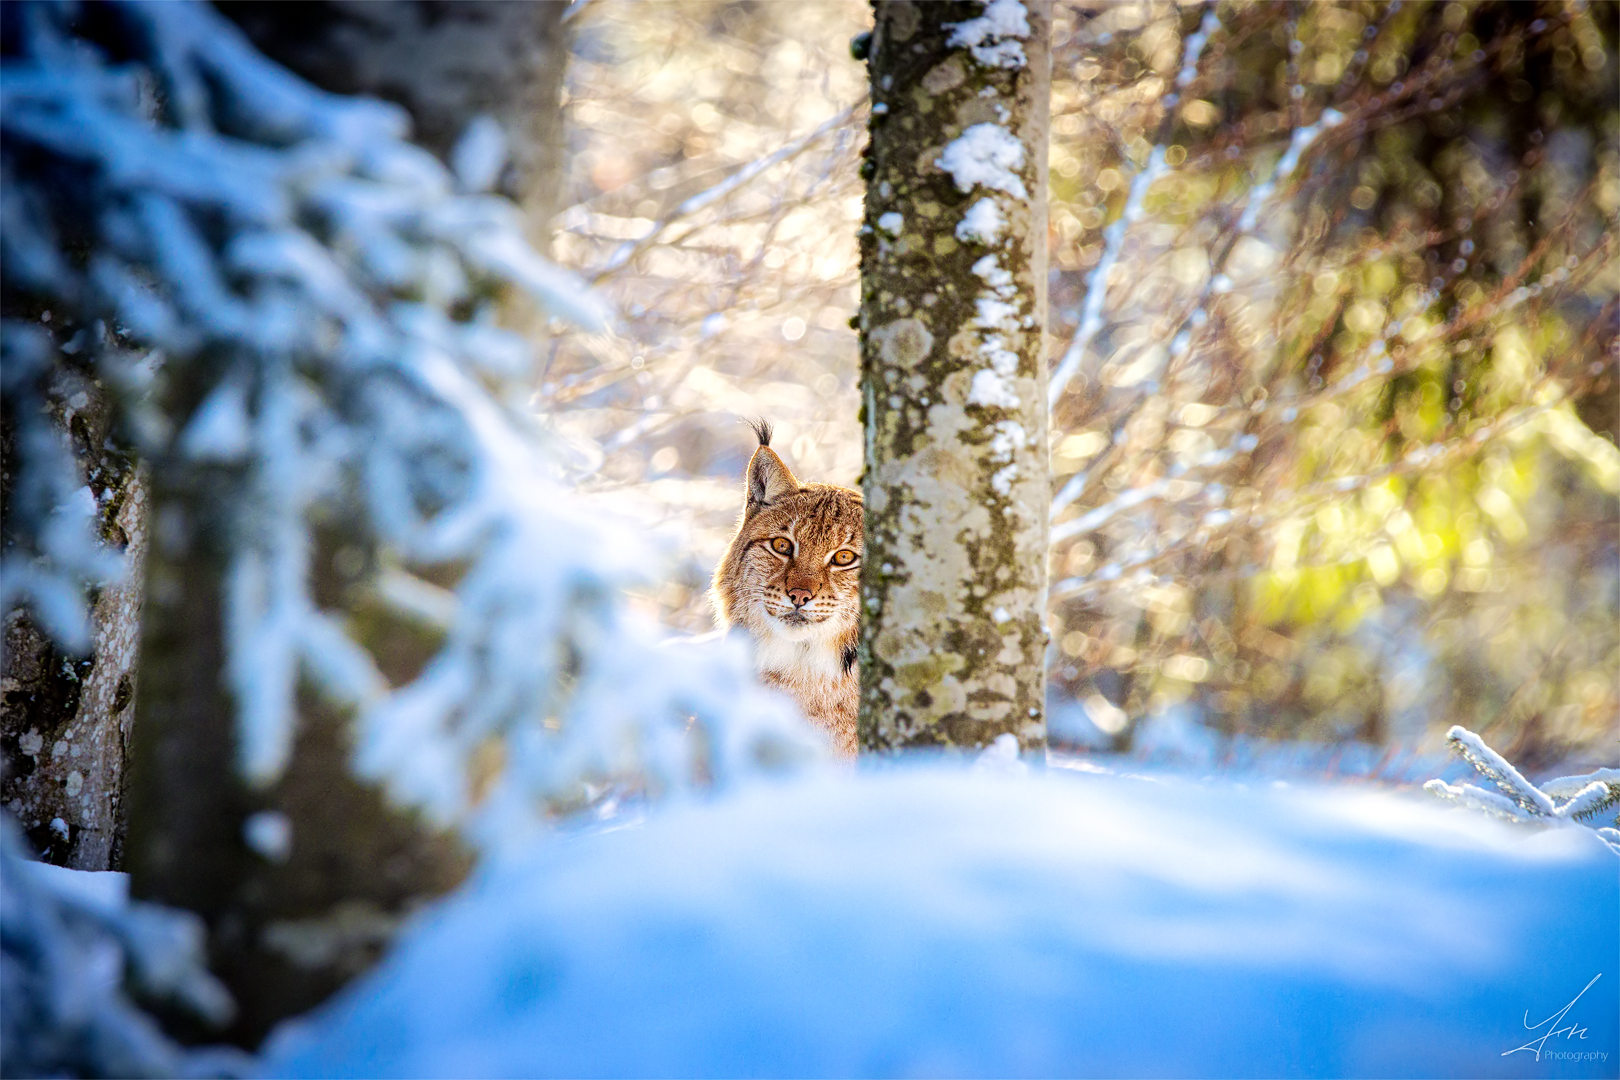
(811, 654)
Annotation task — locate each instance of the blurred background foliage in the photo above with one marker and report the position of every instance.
(1337, 459)
(1411, 352)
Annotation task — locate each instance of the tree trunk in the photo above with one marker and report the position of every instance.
(446, 64)
(953, 376)
(303, 885)
(65, 719)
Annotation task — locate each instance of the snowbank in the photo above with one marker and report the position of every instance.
(933, 921)
(98, 890)
(79, 962)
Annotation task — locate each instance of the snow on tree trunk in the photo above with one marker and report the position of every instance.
(303, 885)
(953, 381)
(65, 718)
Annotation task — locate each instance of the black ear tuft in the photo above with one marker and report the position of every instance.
(849, 658)
(762, 429)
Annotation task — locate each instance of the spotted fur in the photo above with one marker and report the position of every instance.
(791, 578)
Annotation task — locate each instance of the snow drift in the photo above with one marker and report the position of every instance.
(940, 921)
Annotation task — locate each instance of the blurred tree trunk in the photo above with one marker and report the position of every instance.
(953, 377)
(303, 885)
(65, 719)
(446, 63)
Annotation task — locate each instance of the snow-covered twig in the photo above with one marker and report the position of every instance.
(1588, 793)
(1472, 749)
(1568, 799)
(1477, 798)
(1588, 801)
(1091, 314)
(1567, 786)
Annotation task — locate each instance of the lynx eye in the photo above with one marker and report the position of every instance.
(843, 557)
(782, 546)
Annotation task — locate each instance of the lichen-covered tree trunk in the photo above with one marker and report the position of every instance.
(303, 884)
(953, 376)
(65, 719)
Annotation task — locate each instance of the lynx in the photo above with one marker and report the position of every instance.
(791, 578)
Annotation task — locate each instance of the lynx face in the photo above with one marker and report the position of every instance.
(800, 566)
(792, 579)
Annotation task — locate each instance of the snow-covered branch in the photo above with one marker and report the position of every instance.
(1091, 315)
(332, 294)
(1566, 799)
(73, 950)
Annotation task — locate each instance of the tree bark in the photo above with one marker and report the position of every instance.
(953, 376)
(65, 719)
(303, 885)
(289, 920)
(446, 63)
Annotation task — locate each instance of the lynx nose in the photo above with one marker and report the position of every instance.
(799, 597)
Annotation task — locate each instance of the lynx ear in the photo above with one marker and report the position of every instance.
(768, 479)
